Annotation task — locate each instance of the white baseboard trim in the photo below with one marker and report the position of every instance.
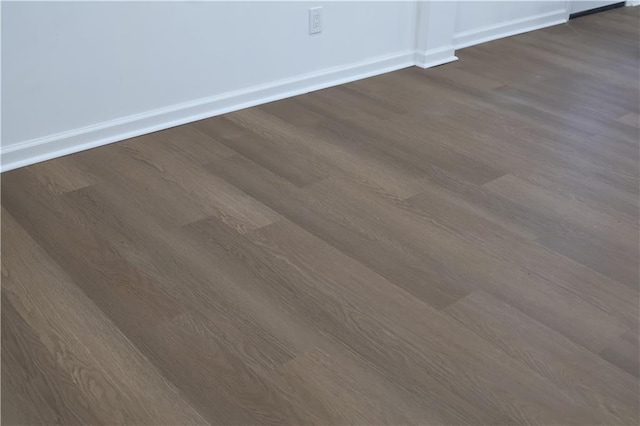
(509, 28)
(435, 57)
(632, 3)
(69, 142)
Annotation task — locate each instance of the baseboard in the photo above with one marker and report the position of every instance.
(632, 3)
(597, 10)
(435, 57)
(46, 148)
(509, 28)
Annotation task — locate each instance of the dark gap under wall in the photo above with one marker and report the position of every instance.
(596, 10)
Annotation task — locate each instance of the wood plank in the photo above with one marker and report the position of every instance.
(623, 352)
(34, 389)
(381, 255)
(581, 373)
(478, 253)
(455, 245)
(409, 321)
(216, 197)
(74, 358)
(323, 311)
(129, 298)
(341, 391)
(210, 291)
(577, 231)
(632, 119)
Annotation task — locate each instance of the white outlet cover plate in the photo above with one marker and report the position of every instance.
(315, 20)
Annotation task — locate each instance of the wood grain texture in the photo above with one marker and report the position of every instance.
(456, 245)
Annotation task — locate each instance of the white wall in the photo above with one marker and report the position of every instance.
(70, 65)
(481, 21)
(76, 75)
(435, 27)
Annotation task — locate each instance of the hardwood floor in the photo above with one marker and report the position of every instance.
(456, 245)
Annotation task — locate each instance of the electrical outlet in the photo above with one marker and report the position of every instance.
(315, 20)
